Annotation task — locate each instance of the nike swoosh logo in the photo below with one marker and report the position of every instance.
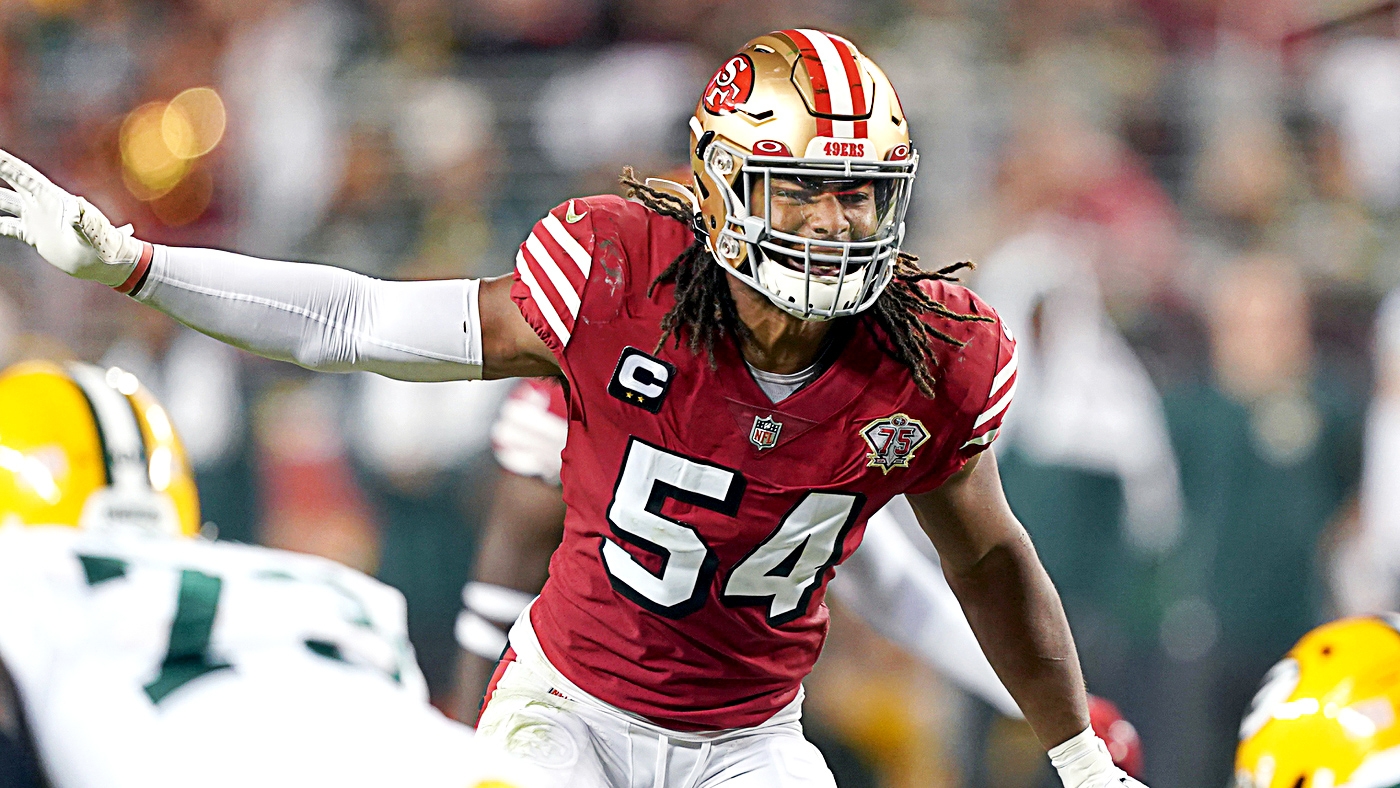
(570, 216)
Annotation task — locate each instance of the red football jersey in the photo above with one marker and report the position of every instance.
(704, 521)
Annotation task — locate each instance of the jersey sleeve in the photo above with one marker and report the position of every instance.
(529, 434)
(986, 424)
(977, 381)
(553, 269)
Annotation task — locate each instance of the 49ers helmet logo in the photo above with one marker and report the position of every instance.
(731, 85)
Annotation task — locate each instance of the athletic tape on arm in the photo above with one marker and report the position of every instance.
(321, 317)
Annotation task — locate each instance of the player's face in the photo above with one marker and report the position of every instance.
(822, 210)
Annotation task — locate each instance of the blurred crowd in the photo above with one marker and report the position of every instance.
(1188, 210)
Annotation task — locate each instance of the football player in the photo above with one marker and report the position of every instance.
(1326, 715)
(754, 368)
(137, 654)
(887, 580)
(899, 591)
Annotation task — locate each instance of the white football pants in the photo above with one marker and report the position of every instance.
(533, 712)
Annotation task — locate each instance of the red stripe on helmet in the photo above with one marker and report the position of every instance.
(821, 93)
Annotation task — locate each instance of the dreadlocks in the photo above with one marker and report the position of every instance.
(705, 308)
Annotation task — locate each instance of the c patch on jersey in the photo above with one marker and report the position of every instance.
(641, 380)
(892, 441)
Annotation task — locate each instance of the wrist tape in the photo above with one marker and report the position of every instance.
(1081, 758)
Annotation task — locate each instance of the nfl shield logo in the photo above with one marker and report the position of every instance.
(764, 434)
(892, 441)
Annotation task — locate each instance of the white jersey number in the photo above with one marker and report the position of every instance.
(784, 569)
(780, 573)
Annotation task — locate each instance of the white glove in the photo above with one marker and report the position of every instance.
(1084, 762)
(67, 231)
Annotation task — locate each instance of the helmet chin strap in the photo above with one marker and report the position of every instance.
(781, 282)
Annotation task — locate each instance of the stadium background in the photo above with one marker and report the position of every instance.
(1189, 215)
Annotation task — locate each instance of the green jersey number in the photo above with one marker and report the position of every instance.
(188, 656)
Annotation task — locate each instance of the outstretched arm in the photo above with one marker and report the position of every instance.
(320, 317)
(1016, 614)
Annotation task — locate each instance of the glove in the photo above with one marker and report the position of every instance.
(67, 231)
(1084, 762)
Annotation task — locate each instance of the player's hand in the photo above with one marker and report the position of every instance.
(1118, 779)
(1084, 762)
(67, 231)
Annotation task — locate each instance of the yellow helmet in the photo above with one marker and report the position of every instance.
(805, 106)
(86, 447)
(1326, 715)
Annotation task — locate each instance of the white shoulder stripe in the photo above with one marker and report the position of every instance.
(541, 300)
(1000, 406)
(1005, 374)
(556, 276)
(570, 244)
(984, 439)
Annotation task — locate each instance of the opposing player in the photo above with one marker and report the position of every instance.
(141, 655)
(754, 368)
(1326, 714)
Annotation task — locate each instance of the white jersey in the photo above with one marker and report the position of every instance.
(150, 661)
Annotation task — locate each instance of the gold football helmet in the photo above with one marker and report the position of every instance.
(1326, 715)
(90, 448)
(803, 171)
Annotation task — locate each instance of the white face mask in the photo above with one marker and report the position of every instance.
(839, 225)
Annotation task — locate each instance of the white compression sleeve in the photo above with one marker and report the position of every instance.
(321, 317)
(903, 596)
